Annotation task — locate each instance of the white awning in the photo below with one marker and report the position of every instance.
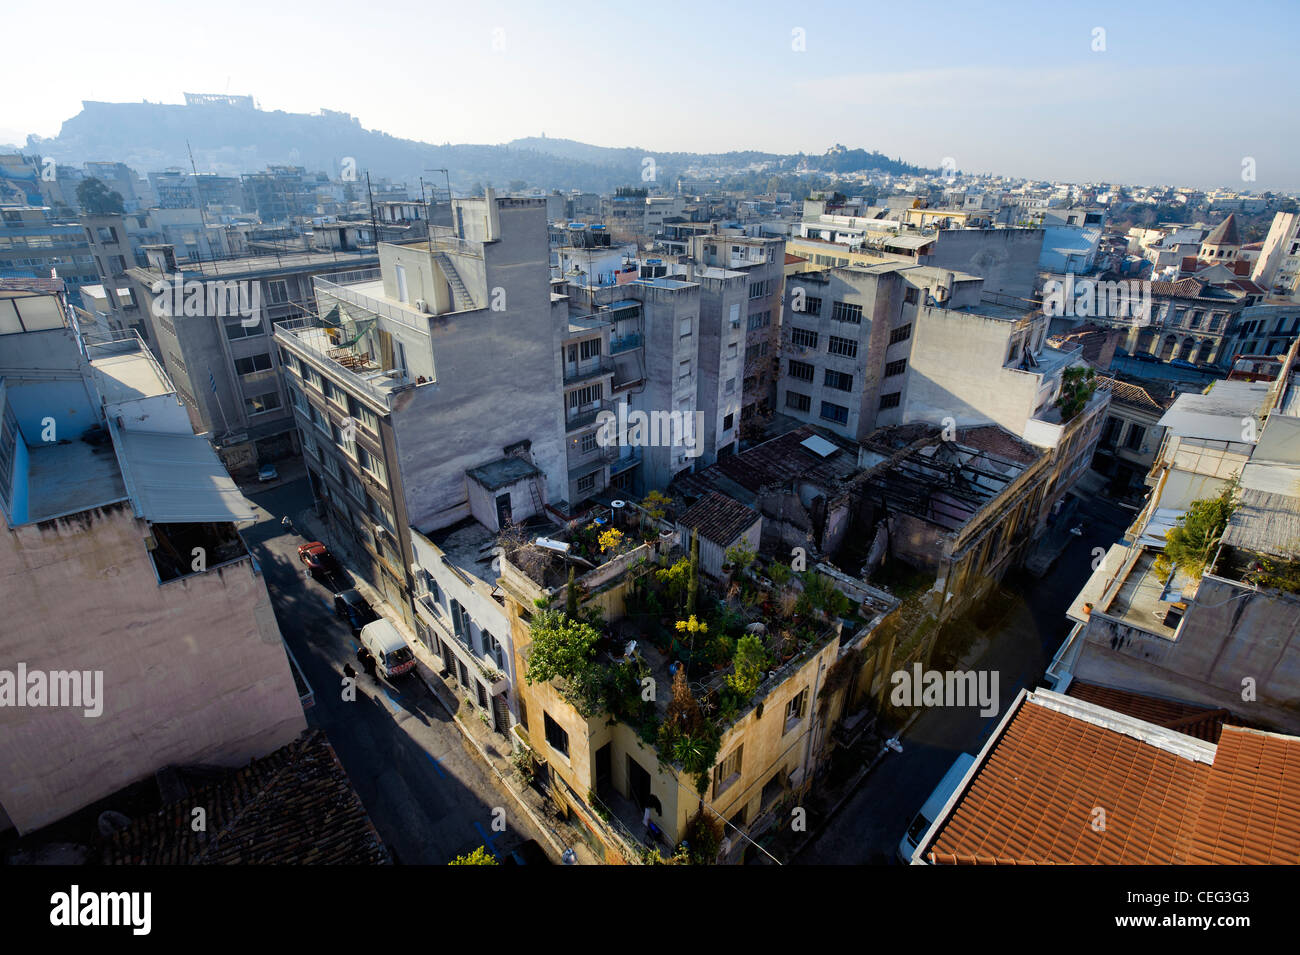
(178, 478)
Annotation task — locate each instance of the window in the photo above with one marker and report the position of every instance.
(253, 364)
(795, 709)
(733, 349)
(890, 400)
(587, 484)
(811, 306)
(236, 329)
(760, 289)
(684, 369)
(760, 320)
(844, 312)
(588, 443)
(900, 334)
(837, 413)
(1133, 441)
(731, 386)
(846, 347)
(909, 295)
(798, 402)
(895, 367)
(371, 463)
(261, 404)
(685, 329)
(556, 737)
(803, 338)
(838, 380)
(277, 292)
(585, 396)
(727, 771)
(802, 371)
(728, 422)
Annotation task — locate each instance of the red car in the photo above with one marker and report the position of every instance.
(318, 558)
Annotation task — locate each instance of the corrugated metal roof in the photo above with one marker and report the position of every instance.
(1265, 523)
(177, 478)
(1279, 442)
(1218, 415)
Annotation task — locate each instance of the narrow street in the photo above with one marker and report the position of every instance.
(427, 794)
(867, 829)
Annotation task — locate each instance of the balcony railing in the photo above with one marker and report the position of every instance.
(624, 343)
(404, 316)
(591, 368)
(585, 415)
(349, 368)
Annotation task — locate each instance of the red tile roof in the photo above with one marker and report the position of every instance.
(294, 806)
(1035, 797)
(1198, 721)
(719, 519)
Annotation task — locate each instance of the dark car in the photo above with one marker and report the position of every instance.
(530, 853)
(318, 559)
(353, 608)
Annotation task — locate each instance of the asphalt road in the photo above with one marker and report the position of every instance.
(867, 829)
(429, 796)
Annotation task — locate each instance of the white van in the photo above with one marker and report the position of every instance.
(392, 656)
(922, 821)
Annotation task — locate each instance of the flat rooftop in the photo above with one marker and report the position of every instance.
(70, 478)
(471, 547)
(250, 265)
(1138, 601)
(128, 376)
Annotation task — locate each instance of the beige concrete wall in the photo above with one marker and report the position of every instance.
(194, 671)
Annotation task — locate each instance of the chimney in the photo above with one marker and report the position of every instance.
(493, 216)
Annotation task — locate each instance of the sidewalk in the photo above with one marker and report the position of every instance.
(492, 748)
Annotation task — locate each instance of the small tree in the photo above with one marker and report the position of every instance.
(748, 665)
(656, 505)
(740, 556)
(1077, 387)
(693, 583)
(571, 597)
(563, 648)
(479, 856)
(1190, 545)
(97, 199)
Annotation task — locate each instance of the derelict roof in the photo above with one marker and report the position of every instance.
(177, 479)
(719, 518)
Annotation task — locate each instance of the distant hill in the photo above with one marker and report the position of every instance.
(231, 139)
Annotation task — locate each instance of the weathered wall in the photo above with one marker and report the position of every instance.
(194, 671)
(1225, 638)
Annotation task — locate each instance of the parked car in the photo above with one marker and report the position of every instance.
(267, 472)
(530, 853)
(392, 656)
(933, 805)
(318, 558)
(352, 607)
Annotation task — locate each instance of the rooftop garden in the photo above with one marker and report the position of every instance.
(690, 655)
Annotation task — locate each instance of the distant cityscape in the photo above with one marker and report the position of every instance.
(721, 509)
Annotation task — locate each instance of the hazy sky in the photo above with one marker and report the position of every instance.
(1182, 92)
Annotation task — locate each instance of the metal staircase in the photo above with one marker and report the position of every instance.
(460, 296)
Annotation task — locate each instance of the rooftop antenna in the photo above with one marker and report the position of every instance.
(198, 199)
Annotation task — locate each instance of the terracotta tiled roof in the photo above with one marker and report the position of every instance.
(791, 258)
(1251, 811)
(719, 518)
(1137, 396)
(294, 806)
(1035, 798)
(1166, 798)
(1198, 721)
(1225, 233)
(18, 284)
(999, 441)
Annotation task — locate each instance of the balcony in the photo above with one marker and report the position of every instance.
(624, 343)
(353, 369)
(584, 370)
(582, 416)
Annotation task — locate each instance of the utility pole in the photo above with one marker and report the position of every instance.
(370, 196)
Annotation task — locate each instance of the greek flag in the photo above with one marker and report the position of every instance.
(212, 381)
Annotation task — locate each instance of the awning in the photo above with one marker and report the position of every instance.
(178, 478)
